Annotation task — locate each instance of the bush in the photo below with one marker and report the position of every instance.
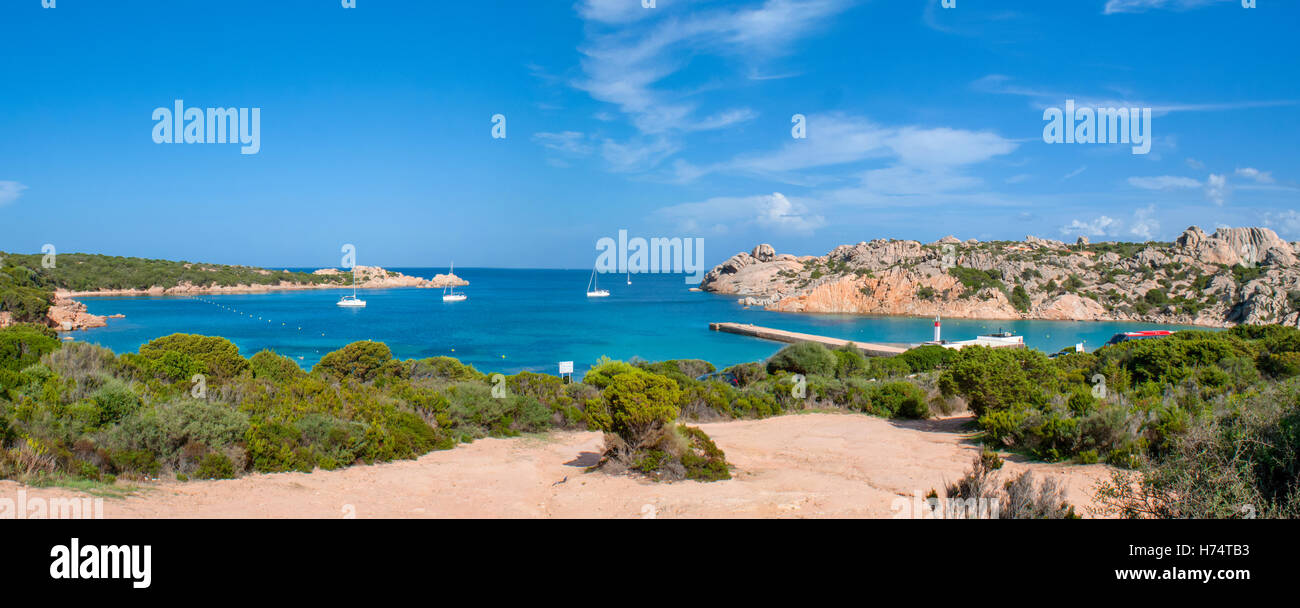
(363, 361)
(999, 378)
(444, 368)
(927, 358)
(115, 401)
(849, 362)
(267, 365)
(978, 492)
(215, 466)
(639, 403)
(604, 371)
(1020, 298)
(747, 373)
(1244, 462)
(164, 430)
(219, 357)
(807, 358)
(23, 344)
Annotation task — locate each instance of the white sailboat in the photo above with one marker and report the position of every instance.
(629, 277)
(352, 301)
(594, 290)
(449, 292)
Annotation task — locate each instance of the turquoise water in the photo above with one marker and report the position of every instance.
(527, 320)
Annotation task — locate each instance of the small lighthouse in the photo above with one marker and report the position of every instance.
(936, 329)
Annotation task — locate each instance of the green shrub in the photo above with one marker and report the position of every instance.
(604, 371)
(444, 368)
(747, 373)
(927, 358)
(1020, 298)
(115, 401)
(215, 466)
(849, 362)
(807, 358)
(279, 369)
(363, 361)
(23, 344)
(999, 378)
(639, 403)
(219, 357)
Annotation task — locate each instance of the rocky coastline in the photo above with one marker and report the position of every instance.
(67, 314)
(1233, 276)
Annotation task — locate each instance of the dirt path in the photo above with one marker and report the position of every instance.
(812, 465)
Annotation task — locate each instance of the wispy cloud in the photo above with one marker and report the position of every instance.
(837, 140)
(630, 51)
(1143, 225)
(772, 212)
(1041, 98)
(1216, 188)
(1163, 182)
(1100, 226)
(569, 143)
(1262, 177)
(10, 191)
(1141, 6)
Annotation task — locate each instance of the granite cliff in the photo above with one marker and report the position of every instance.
(1230, 277)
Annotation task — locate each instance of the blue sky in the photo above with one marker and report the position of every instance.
(672, 121)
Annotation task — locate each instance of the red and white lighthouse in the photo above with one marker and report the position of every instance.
(936, 328)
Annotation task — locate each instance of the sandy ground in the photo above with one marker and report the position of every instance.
(810, 465)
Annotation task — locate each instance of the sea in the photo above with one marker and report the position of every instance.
(516, 319)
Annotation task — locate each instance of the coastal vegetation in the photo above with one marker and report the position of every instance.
(90, 272)
(1205, 422)
(1200, 424)
(192, 407)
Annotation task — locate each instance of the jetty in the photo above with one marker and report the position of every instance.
(780, 335)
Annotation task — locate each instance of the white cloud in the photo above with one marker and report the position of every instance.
(1074, 173)
(835, 139)
(772, 212)
(10, 191)
(630, 50)
(569, 143)
(1144, 225)
(1000, 84)
(1139, 6)
(1286, 222)
(1263, 177)
(1163, 182)
(1216, 188)
(1102, 226)
(636, 155)
(1195, 164)
(617, 11)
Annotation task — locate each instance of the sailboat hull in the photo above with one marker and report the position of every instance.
(454, 297)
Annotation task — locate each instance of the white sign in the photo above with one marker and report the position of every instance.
(566, 367)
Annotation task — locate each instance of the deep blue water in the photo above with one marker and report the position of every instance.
(527, 320)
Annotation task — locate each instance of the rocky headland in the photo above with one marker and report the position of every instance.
(67, 314)
(1233, 276)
